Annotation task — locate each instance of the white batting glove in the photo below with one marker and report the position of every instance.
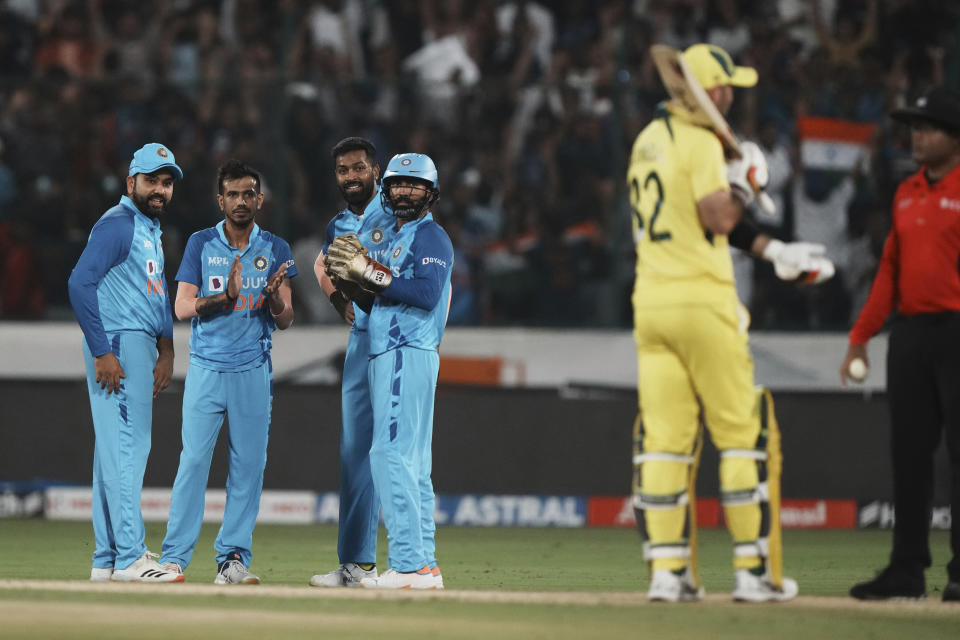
(802, 262)
(749, 175)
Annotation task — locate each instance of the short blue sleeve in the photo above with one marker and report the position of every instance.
(108, 245)
(329, 235)
(282, 254)
(192, 262)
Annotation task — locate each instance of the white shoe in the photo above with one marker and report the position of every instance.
(101, 575)
(146, 569)
(233, 571)
(437, 578)
(667, 586)
(172, 567)
(754, 588)
(422, 579)
(349, 574)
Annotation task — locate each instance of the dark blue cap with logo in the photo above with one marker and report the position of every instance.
(153, 157)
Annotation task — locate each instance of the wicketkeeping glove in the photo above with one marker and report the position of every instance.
(802, 262)
(342, 249)
(748, 177)
(346, 259)
(350, 290)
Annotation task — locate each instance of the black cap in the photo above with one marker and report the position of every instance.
(937, 105)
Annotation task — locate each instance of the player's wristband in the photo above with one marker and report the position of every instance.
(743, 235)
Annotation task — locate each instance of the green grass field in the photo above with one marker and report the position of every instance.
(501, 583)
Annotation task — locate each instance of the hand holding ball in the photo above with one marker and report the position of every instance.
(857, 370)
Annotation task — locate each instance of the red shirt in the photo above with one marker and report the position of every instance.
(919, 268)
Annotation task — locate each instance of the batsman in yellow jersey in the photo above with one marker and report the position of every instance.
(694, 363)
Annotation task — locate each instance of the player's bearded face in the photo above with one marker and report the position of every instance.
(152, 192)
(408, 198)
(356, 177)
(240, 200)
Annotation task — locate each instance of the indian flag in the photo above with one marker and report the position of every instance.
(831, 144)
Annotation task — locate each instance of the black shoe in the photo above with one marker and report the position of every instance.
(951, 592)
(891, 584)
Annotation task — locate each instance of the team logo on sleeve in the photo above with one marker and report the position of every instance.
(153, 268)
(215, 284)
(260, 263)
(397, 251)
(376, 236)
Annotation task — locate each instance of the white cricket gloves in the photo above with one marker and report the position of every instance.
(748, 177)
(803, 262)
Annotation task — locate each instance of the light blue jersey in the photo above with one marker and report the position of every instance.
(239, 340)
(118, 284)
(406, 325)
(375, 228)
(359, 505)
(231, 375)
(119, 295)
(412, 311)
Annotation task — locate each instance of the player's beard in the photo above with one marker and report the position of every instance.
(241, 223)
(356, 198)
(146, 207)
(406, 209)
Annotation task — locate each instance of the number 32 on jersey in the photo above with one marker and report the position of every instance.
(646, 199)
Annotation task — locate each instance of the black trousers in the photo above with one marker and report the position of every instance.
(923, 386)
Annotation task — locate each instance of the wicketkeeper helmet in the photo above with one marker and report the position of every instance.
(417, 166)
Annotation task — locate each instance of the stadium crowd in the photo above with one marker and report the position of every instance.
(530, 107)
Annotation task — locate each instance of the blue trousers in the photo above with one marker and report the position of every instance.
(359, 505)
(246, 397)
(121, 423)
(403, 383)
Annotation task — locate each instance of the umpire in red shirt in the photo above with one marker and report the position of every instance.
(919, 276)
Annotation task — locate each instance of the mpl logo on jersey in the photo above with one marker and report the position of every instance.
(217, 261)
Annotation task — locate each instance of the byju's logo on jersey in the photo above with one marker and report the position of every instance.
(260, 263)
(438, 261)
(153, 267)
(376, 236)
(218, 261)
(215, 284)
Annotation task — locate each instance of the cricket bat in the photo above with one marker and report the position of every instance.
(687, 95)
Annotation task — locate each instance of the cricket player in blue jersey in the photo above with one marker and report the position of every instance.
(119, 294)
(406, 325)
(355, 168)
(234, 308)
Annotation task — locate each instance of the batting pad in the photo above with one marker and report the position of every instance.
(664, 503)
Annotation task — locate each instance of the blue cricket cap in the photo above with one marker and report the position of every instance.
(153, 157)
